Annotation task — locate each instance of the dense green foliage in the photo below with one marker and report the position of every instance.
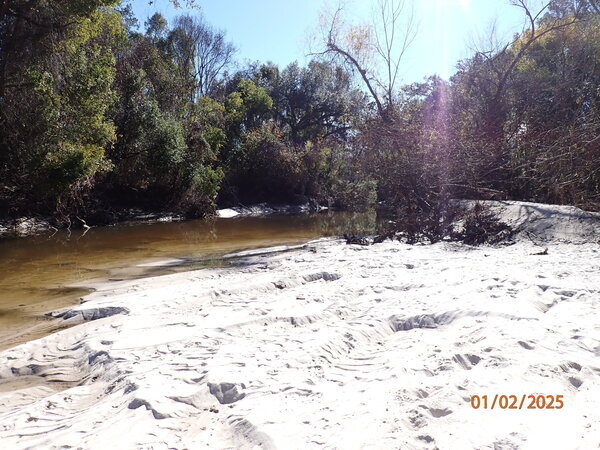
(56, 85)
(96, 116)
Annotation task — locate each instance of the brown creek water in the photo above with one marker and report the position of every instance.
(39, 274)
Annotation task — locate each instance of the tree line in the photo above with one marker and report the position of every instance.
(518, 120)
(98, 115)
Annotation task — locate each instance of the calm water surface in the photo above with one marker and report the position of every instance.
(38, 274)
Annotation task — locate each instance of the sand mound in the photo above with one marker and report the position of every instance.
(547, 223)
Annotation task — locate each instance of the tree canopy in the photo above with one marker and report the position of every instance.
(98, 116)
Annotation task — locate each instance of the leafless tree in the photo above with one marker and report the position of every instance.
(374, 51)
(391, 42)
(202, 52)
(503, 62)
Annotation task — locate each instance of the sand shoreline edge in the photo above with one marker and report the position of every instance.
(328, 345)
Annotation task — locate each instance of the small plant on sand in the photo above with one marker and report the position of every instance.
(447, 221)
(482, 226)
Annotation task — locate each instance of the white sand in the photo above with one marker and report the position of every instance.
(331, 346)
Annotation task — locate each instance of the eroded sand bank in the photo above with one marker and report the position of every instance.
(330, 345)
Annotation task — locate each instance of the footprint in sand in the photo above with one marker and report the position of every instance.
(226, 393)
(526, 346)
(416, 419)
(567, 366)
(437, 413)
(425, 438)
(466, 361)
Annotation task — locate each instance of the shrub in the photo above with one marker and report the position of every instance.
(447, 221)
(482, 226)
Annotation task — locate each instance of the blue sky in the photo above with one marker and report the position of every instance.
(278, 30)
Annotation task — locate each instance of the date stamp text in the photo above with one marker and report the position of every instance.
(524, 401)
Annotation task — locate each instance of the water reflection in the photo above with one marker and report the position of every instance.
(36, 272)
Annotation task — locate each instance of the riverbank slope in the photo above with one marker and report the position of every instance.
(330, 345)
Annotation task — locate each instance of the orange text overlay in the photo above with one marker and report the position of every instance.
(524, 401)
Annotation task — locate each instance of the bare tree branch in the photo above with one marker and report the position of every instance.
(388, 38)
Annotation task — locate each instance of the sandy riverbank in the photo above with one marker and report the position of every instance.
(329, 345)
